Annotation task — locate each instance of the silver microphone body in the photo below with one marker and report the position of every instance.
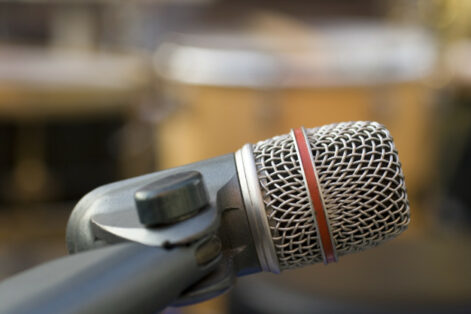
(269, 221)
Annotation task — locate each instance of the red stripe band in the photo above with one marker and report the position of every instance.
(315, 194)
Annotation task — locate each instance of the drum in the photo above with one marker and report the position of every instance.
(223, 89)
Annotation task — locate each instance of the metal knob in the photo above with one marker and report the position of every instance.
(171, 199)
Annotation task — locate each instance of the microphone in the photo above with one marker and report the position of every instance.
(317, 194)
(309, 196)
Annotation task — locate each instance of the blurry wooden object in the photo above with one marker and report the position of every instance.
(45, 83)
(45, 91)
(226, 88)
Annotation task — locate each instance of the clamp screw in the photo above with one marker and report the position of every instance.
(171, 199)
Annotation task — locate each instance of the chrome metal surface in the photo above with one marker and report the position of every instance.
(255, 208)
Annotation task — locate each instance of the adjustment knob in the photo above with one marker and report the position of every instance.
(171, 199)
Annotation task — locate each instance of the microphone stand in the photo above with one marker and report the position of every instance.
(121, 278)
(165, 253)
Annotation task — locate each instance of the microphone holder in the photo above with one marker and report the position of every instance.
(145, 243)
(128, 225)
(166, 209)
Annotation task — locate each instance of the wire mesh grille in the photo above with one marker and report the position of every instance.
(362, 184)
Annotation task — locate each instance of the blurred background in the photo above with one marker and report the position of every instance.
(96, 91)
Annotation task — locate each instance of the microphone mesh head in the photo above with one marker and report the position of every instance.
(361, 181)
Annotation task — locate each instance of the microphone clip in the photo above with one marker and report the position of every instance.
(166, 209)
